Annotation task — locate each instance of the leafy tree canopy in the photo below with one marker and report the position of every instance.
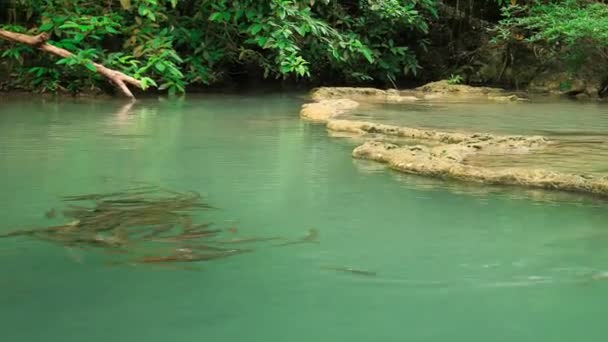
(175, 43)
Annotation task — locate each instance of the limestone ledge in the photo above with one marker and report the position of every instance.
(440, 90)
(427, 162)
(446, 156)
(329, 102)
(324, 110)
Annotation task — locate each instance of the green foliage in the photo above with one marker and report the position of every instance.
(565, 85)
(180, 43)
(455, 79)
(570, 30)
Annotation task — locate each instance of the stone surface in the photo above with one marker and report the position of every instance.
(362, 94)
(556, 81)
(461, 89)
(440, 91)
(406, 149)
(324, 110)
(428, 163)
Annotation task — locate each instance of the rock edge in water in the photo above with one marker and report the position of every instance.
(440, 90)
(448, 164)
(446, 158)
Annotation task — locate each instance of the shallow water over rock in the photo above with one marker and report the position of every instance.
(537, 117)
(579, 130)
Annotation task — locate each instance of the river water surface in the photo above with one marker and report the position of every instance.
(453, 262)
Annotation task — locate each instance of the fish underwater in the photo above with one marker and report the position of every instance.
(350, 270)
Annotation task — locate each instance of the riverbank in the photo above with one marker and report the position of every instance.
(445, 154)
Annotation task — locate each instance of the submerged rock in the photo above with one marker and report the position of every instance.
(449, 164)
(324, 110)
(505, 98)
(402, 132)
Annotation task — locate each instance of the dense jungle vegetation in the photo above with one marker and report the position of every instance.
(178, 45)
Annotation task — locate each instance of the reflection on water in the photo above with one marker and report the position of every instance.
(572, 154)
(556, 118)
(431, 247)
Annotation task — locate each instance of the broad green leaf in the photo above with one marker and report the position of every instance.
(66, 44)
(216, 16)
(261, 41)
(160, 66)
(90, 66)
(301, 30)
(46, 27)
(143, 10)
(69, 24)
(282, 14)
(367, 53)
(7, 53)
(255, 28)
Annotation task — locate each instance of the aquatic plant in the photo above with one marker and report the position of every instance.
(455, 79)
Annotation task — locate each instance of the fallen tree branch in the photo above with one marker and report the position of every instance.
(39, 41)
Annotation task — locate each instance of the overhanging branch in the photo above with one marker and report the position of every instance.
(39, 41)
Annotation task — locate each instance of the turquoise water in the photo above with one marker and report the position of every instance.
(454, 262)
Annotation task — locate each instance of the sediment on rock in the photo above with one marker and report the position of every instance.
(443, 90)
(440, 90)
(324, 110)
(475, 139)
(419, 161)
(446, 87)
(361, 94)
(363, 127)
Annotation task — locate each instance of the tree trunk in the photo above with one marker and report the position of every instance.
(40, 42)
